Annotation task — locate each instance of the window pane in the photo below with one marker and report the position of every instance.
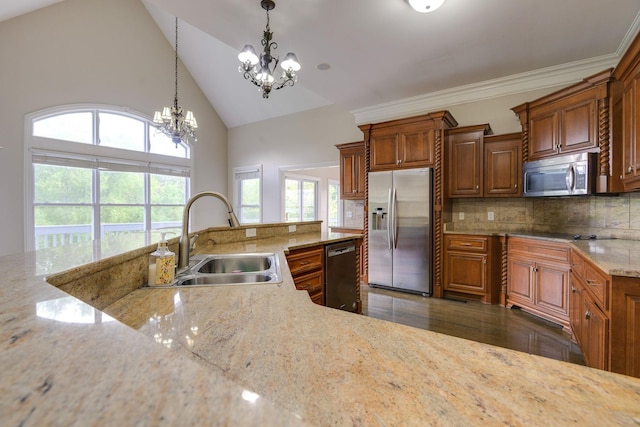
(249, 215)
(76, 127)
(61, 184)
(121, 132)
(333, 201)
(308, 201)
(250, 191)
(166, 216)
(162, 144)
(59, 225)
(117, 220)
(292, 200)
(121, 187)
(168, 190)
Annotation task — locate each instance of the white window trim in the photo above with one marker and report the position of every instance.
(236, 196)
(283, 190)
(34, 145)
(339, 213)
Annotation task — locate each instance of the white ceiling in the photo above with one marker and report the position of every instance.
(381, 51)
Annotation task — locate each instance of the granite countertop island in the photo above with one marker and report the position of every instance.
(266, 355)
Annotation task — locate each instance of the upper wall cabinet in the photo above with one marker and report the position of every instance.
(464, 165)
(626, 128)
(483, 165)
(405, 143)
(352, 170)
(574, 119)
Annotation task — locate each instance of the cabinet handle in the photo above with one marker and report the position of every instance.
(305, 262)
(465, 244)
(587, 314)
(592, 283)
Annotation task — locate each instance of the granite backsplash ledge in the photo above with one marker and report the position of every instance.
(604, 216)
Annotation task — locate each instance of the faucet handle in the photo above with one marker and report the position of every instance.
(192, 241)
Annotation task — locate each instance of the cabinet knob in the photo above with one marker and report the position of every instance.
(515, 186)
(477, 186)
(587, 314)
(574, 289)
(630, 169)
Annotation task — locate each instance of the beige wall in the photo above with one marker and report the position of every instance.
(101, 52)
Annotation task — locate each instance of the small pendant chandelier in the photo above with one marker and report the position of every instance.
(258, 70)
(172, 121)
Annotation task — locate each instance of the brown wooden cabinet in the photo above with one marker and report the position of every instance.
(307, 268)
(568, 120)
(627, 104)
(538, 278)
(464, 151)
(352, 170)
(403, 144)
(483, 165)
(503, 165)
(472, 267)
(605, 317)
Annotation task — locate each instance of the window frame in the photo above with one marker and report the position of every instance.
(301, 178)
(66, 153)
(239, 174)
(330, 183)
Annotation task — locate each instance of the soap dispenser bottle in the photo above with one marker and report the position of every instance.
(162, 264)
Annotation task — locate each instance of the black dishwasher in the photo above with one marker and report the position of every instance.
(341, 279)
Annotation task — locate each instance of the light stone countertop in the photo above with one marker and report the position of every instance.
(305, 362)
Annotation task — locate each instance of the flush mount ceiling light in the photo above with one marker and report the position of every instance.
(172, 121)
(258, 70)
(425, 6)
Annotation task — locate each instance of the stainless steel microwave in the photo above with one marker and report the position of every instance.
(560, 176)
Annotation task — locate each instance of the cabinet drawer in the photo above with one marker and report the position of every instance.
(305, 261)
(539, 249)
(598, 284)
(467, 243)
(577, 264)
(312, 283)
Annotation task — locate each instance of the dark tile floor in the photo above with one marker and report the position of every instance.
(490, 324)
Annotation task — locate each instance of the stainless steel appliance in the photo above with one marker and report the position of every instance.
(399, 209)
(341, 280)
(560, 176)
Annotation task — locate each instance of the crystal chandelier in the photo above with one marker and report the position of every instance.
(258, 70)
(172, 121)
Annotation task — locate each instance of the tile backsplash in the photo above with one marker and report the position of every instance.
(353, 214)
(605, 216)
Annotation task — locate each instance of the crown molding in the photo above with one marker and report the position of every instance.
(543, 78)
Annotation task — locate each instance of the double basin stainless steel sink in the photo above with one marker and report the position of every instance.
(230, 269)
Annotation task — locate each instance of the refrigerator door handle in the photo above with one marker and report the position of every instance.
(389, 218)
(395, 219)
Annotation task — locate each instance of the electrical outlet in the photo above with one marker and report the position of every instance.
(292, 229)
(251, 232)
(490, 216)
(461, 216)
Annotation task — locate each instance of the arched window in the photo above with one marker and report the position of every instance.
(97, 171)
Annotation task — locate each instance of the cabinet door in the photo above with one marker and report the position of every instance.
(520, 280)
(465, 166)
(348, 170)
(552, 289)
(466, 273)
(575, 310)
(631, 135)
(503, 168)
(417, 146)
(595, 334)
(578, 126)
(543, 133)
(384, 149)
(360, 173)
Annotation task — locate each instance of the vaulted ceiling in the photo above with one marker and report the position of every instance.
(382, 52)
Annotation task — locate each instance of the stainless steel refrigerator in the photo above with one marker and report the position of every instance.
(399, 209)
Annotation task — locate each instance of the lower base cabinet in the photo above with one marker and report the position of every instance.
(472, 267)
(538, 278)
(307, 268)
